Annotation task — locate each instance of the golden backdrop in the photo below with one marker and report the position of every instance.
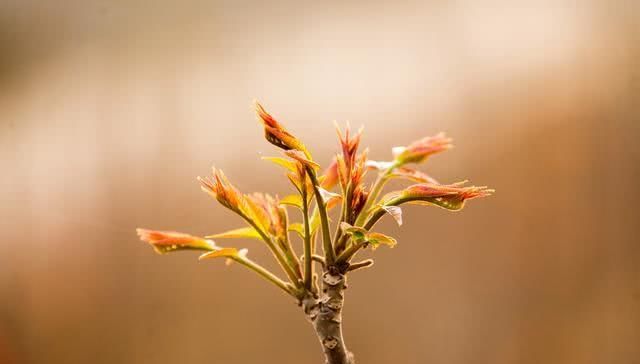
(109, 110)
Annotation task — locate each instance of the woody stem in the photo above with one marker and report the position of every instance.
(325, 314)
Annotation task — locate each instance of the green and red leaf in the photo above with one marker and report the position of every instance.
(276, 134)
(361, 235)
(169, 241)
(451, 197)
(420, 150)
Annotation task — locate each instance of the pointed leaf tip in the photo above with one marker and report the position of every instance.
(451, 197)
(283, 162)
(302, 158)
(245, 232)
(395, 212)
(328, 197)
(292, 200)
(276, 134)
(376, 239)
(231, 253)
(168, 241)
(372, 238)
(420, 150)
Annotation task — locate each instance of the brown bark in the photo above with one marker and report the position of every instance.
(325, 313)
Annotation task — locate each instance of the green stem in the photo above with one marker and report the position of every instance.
(342, 243)
(338, 233)
(291, 257)
(339, 240)
(373, 219)
(265, 274)
(377, 215)
(318, 259)
(308, 262)
(359, 265)
(350, 251)
(375, 192)
(293, 277)
(324, 219)
(286, 246)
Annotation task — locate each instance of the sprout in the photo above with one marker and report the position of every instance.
(267, 220)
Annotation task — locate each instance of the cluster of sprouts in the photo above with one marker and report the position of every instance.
(342, 184)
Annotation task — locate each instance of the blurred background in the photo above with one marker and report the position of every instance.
(110, 109)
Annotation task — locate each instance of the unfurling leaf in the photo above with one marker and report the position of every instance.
(302, 158)
(359, 198)
(267, 210)
(258, 207)
(362, 235)
(352, 230)
(419, 150)
(330, 177)
(227, 195)
(219, 188)
(300, 179)
(276, 133)
(169, 241)
(298, 228)
(283, 162)
(349, 144)
(292, 200)
(376, 239)
(451, 197)
(245, 232)
(314, 224)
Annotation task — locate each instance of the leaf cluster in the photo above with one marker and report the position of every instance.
(341, 185)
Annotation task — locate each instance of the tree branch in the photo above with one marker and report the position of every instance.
(325, 314)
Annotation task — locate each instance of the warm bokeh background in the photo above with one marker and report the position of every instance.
(109, 109)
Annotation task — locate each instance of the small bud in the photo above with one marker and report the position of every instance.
(349, 145)
(419, 150)
(276, 134)
(219, 188)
